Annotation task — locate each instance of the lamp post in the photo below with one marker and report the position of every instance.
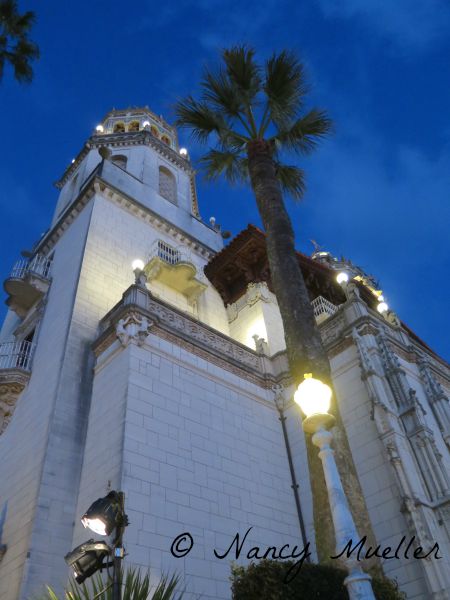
(314, 398)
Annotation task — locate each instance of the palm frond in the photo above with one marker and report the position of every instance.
(305, 133)
(227, 163)
(243, 71)
(292, 180)
(285, 86)
(219, 91)
(199, 117)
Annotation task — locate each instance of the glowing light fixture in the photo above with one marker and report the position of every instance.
(137, 264)
(382, 307)
(103, 515)
(381, 298)
(342, 277)
(73, 160)
(183, 151)
(146, 124)
(99, 129)
(313, 396)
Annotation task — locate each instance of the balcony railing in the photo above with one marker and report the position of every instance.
(323, 308)
(16, 355)
(39, 265)
(169, 254)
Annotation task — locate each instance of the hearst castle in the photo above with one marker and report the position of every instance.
(168, 383)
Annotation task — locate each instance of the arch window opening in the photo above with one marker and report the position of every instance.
(120, 160)
(133, 126)
(119, 128)
(167, 185)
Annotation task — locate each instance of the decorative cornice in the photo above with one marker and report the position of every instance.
(96, 184)
(137, 138)
(139, 313)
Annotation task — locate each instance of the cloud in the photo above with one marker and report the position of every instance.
(407, 24)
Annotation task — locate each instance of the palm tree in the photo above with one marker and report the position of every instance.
(253, 116)
(15, 47)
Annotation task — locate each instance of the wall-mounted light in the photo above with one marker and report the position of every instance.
(99, 129)
(137, 264)
(342, 277)
(146, 124)
(183, 151)
(382, 307)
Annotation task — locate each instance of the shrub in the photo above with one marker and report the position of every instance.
(266, 580)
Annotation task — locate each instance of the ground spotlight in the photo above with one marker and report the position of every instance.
(105, 514)
(87, 558)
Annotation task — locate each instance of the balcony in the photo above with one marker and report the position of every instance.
(323, 309)
(174, 268)
(15, 369)
(27, 283)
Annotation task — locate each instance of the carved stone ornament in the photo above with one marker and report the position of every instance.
(133, 328)
(8, 398)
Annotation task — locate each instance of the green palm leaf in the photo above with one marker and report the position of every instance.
(292, 180)
(284, 86)
(305, 133)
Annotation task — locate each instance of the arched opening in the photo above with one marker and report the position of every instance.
(120, 160)
(167, 185)
(119, 128)
(133, 126)
(165, 139)
(154, 131)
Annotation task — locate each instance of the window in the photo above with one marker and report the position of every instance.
(119, 128)
(165, 139)
(120, 160)
(167, 185)
(154, 131)
(133, 126)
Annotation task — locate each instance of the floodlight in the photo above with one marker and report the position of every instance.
(87, 558)
(183, 151)
(146, 124)
(99, 129)
(104, 515)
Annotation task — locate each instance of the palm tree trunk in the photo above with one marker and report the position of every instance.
(304, 347)
(303, 342)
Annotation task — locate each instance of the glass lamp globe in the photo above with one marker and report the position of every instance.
(342, 277)
(183, 151)
(313, 396)
(99, 129)
(137, 264)
(382, 307)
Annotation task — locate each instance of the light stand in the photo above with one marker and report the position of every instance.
(314, 397)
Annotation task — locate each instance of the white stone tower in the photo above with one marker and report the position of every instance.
(166, 389)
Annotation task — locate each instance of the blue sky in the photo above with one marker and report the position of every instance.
(378, 189)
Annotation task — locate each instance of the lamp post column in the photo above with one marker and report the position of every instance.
(357, 582)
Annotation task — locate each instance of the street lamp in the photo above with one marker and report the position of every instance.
(104, 516)
(314, 398)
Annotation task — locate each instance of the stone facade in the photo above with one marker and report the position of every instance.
(169, 395)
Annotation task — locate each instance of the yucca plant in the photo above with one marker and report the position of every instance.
(135, 586)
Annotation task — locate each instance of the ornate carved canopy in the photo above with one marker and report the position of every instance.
(244, 261)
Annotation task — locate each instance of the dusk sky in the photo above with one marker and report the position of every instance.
(377, 190)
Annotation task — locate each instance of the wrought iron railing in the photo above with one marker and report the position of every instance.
(323, 307)
(169, 254)
(16, 355)
(38, 265)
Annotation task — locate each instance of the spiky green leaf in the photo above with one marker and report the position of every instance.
(292, 180)
(303, 135)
